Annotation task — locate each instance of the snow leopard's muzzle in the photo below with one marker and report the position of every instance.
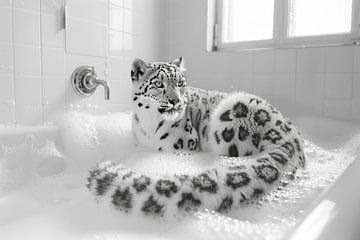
(173, 110)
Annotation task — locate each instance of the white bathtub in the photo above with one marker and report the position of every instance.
(43, 196)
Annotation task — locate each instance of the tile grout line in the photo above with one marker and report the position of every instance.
(13, 63)
(296, 78)
(66, 68)
(352, 100)
(323, 73)
(41, 66)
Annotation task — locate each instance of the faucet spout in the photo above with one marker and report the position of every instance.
(106, 86)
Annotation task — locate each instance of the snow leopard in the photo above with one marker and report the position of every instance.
(171, 116)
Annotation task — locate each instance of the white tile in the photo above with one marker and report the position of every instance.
(53, 7)
(263, 85)
(53, 91)
(177, 31)
(74, 61)
(339, 59)
(99, 96)
(52, 31)
(242, 62)
(310, 106)
(115, 108)
(116, 18)
(130, 46)
(71, 98)
(120, 92)
(6, 90)
(95, 10)
(357, 59)
(232, 84)
(151, 47)
(211, 83)
(116, 43)
(52, 114)
(127, 68)
(356, 86)
(128, 21)
(117, 2)
(284, 105)
(53, 62)
(284, 85)
(310, 85)
(226, 63)
(338, 85)
(5, 24)
(311, 60)
(5, 3)
(264, 61)
(86, 38)
(244, 82)
(129, 4)
(26, 27)
(116, 68)
(192, 8)
(355, 109)
(7, 116)
(28, 115)
(337, 108)
(27, 60)
(285, 61)
(30, 5)
(28, 91)
(176, 9)
(6, 58)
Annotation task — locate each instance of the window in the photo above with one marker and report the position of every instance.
(246, 24)
(245, 21)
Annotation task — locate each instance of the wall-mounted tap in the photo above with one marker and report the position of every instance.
(85, 81)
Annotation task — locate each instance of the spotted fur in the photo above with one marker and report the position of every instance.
(170, 116)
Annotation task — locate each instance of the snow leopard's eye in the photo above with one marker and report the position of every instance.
(159, 84)
(181, 83)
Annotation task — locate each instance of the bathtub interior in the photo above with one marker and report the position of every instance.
(43, 174)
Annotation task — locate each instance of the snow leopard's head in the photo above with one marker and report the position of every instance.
(160, 86)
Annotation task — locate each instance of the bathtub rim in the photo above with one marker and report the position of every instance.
(344, 221)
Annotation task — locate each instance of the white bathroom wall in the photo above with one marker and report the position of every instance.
(37, 57)
(324, 80)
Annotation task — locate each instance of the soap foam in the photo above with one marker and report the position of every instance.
(66, 210)
(25, 164)
(273, 215)
(89, 139)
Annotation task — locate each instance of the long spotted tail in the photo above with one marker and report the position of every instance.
(221, 188)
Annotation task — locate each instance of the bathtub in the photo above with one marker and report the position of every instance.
(43, 173)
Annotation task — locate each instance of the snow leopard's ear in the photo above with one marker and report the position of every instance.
(180, 63)
(138, 69)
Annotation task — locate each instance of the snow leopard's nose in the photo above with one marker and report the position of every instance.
(174, 101)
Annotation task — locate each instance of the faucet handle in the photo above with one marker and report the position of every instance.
(85, 81)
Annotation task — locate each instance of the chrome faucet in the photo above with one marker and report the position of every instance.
(106, 86)
(85, 81)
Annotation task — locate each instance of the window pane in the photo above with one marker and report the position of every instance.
(247, 20)
(319, 17)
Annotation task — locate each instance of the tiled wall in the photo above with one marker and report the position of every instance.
(37, 56)
(324, 80)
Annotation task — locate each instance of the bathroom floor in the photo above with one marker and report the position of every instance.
(60, 207)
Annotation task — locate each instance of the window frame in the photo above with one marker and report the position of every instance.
(281, 37)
